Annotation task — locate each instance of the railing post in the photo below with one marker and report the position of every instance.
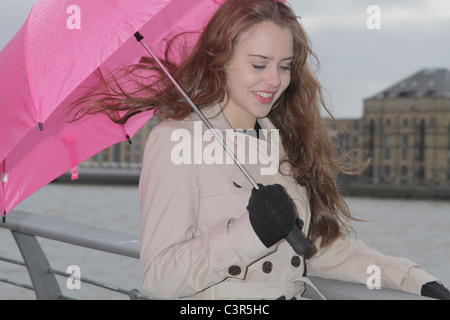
(45, 284)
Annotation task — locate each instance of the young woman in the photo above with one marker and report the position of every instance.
(206, 232)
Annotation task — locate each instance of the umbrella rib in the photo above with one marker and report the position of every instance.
(29, 78)
(139, 38)
(4, 179)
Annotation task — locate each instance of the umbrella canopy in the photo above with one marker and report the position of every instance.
(53, 60)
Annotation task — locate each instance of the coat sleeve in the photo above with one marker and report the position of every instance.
(176, 259)
(351, 260)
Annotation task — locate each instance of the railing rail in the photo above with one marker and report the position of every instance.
(26, 226)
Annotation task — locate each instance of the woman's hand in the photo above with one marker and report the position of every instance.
(271, 213)
(435, 290)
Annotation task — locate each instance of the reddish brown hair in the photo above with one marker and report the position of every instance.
(307, 144)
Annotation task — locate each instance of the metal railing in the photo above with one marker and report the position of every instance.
(25, 227)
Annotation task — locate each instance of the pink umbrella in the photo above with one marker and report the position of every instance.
(52, 60)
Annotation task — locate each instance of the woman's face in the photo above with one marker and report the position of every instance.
(258, 73)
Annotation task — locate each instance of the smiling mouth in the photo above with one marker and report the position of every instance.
(264, 97)
(264, 94)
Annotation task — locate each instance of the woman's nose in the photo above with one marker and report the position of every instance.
(272, 77)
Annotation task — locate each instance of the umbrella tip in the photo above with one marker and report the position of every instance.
(4, 217)
(41, 126)
(138, 36)
(128, 138)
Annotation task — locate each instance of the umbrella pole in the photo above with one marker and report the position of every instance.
(139, 38)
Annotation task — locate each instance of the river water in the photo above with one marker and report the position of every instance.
(414, 229)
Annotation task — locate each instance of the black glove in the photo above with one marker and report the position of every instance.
(271, 212)
(435, 290)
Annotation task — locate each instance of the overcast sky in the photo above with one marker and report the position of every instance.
(356, 62)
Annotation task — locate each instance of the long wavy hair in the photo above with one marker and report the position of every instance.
(309, 149)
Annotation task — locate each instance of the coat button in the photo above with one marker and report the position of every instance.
(267, 267)
(295, 261)
(234, 270)
(236, 185)
(299, 223)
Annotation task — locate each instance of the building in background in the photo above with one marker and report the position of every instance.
(405, 130)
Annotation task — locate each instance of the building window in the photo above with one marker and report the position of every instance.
(371, 137)
(370, 171)
(404, 171)
(405, 122)
(404, 153)
(421, 173)
(388, 145)
(405, 147)
(422, 140)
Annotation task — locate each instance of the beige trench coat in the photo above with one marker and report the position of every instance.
(196, 238)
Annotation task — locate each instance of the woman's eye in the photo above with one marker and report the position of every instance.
(285, 67)
(258, 67)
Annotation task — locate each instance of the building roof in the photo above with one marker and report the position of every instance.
(425, 83)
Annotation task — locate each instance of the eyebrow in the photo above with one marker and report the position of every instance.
(268, 58)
